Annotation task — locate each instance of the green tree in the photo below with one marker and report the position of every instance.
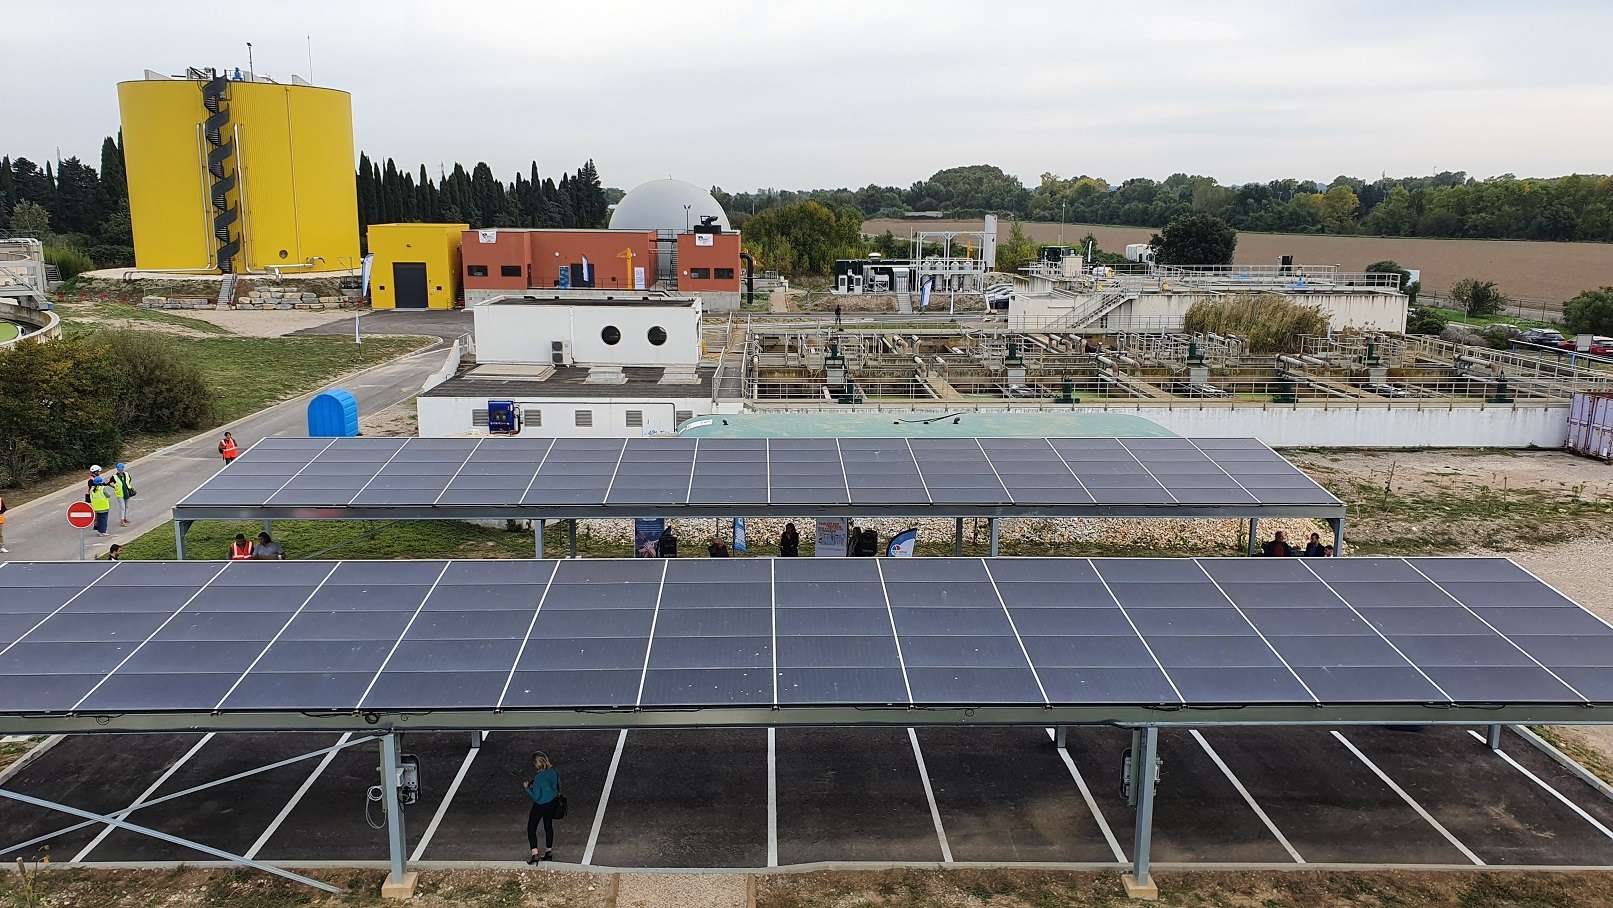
(804, 238)
(1478, 298)
(1017, 251)
(1195, 239)
(1339, 206)
(1407, 286)
(1591, 312)
(30, 219)
(1426, 321)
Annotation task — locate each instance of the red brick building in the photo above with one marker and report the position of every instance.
(513, 260)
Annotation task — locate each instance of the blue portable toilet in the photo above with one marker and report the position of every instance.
(333, 414)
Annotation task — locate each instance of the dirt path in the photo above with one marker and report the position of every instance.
(269, 323)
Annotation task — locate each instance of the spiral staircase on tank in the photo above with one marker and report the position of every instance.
(222, 169)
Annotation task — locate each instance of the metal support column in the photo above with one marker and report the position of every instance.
(992, 523)
(957, 538)
(1337, 523)
(1143, 774)
(1254, 535)
(1061, 736)
(181, 527)
(571, 536)
(1494, 738)
(1136, 748)
(537, 537)
(476, 739)
(395, 839)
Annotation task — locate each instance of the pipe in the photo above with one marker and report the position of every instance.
(750, 277)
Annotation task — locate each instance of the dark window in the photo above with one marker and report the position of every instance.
(510, 270)
(658, 335)
(612, 335)
(724, 274)
(476, 270)
(700, 274)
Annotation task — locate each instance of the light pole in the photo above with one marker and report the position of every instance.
(686, 219)
(1061, 223)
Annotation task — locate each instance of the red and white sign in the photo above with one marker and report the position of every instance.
(80, 515)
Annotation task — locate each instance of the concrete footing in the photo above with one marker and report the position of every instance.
(402, 889)
(1147, 892)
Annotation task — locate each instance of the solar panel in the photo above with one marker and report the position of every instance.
(308, 637)
(569, 477)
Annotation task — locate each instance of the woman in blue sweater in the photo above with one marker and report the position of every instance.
(544, 790)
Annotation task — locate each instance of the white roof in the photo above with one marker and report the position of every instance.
(659, 205)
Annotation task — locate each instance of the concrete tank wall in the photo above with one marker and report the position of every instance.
(1369, 427)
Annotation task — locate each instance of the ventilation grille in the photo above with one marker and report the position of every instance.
(682, 416)
(478, 418)
(532, 417)
(635, 419)
(585, 419)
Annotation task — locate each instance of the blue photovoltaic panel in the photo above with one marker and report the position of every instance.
(722, 633)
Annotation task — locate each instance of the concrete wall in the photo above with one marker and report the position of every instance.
(722, 253)
(46, 324)
(1368, 426)
(1364, 311)
(523, 333)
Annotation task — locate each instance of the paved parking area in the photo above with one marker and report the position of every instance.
(750, 798)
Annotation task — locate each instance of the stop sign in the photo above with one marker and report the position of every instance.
(80, 515)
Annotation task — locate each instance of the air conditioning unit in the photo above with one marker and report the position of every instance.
(560, 353)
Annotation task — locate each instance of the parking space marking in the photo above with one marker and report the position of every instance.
(1549, 790)
(447, 798)
(150, 790)
(929, 793)
(1247, 797)
(604, 799)
(1086, 795)
(1410, 801)
(772, 798)
(296, 798)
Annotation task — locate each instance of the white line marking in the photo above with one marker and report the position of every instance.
(296, 798)
(1384, 777)
(1247, 797)
(399, 642)
(895, 638)
(604, 799)
(613, 473)
(994, 472)
(649, 644)
(534, 480)
(845, 475)
(929, 794)
(767, 450)
(150, 790)
(1086, 795)
(1549, 790)
(772, 800)
(772, 612)
(277, 634)
(461, 469)
(694, 463)
(125, 660)
(448, 798)
(920, 472)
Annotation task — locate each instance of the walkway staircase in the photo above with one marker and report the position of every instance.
(1090, 311)
(226, 291)
(222, 170)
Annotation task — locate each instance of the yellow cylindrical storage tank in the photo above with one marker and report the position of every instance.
(239, 175)
(416, 266)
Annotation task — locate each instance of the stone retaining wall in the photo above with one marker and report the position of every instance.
(261, 298)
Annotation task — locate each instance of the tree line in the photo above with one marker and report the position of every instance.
(1448, 204)
(81, 213)
(387, 194)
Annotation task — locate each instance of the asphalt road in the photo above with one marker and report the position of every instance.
(38, 530)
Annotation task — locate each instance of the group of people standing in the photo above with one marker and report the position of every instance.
(102, 491)
(1279, 547)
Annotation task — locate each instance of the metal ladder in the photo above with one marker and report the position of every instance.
(226, 291)
(220, 167)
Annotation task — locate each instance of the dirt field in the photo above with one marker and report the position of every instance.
(1527, 270)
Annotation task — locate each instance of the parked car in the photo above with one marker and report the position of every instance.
(1600, 346)
(1549, 337)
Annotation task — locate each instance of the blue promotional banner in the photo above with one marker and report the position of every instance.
(739, 535)
(901, 545)
(646, 533)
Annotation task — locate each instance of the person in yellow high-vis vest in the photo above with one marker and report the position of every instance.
(101, 502)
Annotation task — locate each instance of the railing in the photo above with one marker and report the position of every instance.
(1521, 307)
(1223, 277)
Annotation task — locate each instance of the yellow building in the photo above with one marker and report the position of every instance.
(416, 266)
(239, 176)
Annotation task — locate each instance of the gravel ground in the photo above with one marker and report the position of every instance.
(699, 890)
(268, 322)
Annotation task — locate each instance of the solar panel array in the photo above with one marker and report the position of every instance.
(651, 473)
(93, 637)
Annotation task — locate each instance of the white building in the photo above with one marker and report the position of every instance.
(578, 365)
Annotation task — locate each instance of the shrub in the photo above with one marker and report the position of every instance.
(1499, 337)
(1426, 321)
(157, 391)
(70, 261)
(1591, 312)
(1195, 239)
(1478, 298)
(1270, 322)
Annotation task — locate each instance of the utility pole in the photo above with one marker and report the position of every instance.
(251, 71)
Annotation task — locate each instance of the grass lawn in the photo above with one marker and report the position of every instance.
(1457, 316)
(85, 315)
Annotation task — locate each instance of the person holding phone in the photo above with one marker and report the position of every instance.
(547, 806)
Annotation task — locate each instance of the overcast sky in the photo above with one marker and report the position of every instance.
(844, 94)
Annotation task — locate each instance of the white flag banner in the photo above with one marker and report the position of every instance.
(487, 236)
(364, 275)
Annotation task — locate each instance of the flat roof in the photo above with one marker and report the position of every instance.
(563, 478)
(572, 382)
(560, 299)
(117, 646)
(970, 423)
